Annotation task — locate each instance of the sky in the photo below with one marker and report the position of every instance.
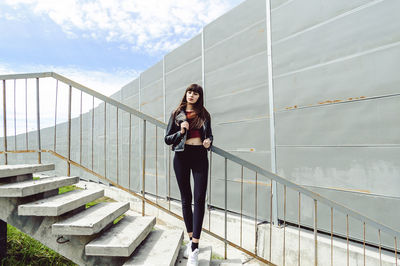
(102, 44)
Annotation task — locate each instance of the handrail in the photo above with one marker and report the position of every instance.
(214, 148)
(226, 155)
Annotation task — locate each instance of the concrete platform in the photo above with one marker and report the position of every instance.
(23, 169)
(123, 238)
(32, 187)
(91, 220)
(60, 204)
(161, 247)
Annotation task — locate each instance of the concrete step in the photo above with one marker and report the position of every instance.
(161, 247)
(60, 204)
(91, 220)
(204, 256)
(32, 187)
(23, 169)
(123, 238)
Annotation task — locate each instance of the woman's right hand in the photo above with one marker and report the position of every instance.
(184, 125)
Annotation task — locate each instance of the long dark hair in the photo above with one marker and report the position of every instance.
(201, 113)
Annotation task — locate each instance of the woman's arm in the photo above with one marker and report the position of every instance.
(209, 132)
(173, 134)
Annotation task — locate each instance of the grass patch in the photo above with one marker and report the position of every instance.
(65, 189)
(216, 257)
(24, 250)
(102, 199)
(118, 219)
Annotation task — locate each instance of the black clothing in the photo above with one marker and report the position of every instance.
(173, 133)
(192, 157)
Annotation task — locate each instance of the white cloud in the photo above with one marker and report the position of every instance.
(152, 25)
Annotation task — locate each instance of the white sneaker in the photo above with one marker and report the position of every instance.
(188, 249)
(193, 259)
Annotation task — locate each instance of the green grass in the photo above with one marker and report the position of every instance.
(216, 257)
(65, 189)
(24, 250)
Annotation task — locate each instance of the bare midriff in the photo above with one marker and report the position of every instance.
(194, 141)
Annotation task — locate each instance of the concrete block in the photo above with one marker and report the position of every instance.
(161, 247)
(91, 220)
(123, 238)
(60, 204)
(32, 187)
(23, 169)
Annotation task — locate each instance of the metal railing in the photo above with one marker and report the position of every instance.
(297, 193)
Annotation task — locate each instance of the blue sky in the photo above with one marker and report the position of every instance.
(102, 44)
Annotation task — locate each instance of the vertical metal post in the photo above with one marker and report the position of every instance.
(156, 168)
(271, 108)
(38, 121)
(117, 148)
(298, 255)
(169, 179)
(80, 133)
(144, 167)
(315, 233)
(209, 193)
(226, 208)
(364, 241)
(255, 216)
(69, 129)
(347, 238)
(130, 150)
(55, 118)
(105, 139)
(270, 221)
(15, 115)
(380, 247)
(331, 236)
(92, 130)
(284, 224)
(241, 206)
(395, 250)
(26, 113)
(5, 123)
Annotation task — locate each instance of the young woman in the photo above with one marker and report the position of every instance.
(189, 133)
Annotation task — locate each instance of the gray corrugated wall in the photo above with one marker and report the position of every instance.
(336, 102)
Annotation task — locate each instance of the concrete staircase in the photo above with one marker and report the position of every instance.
(86, 236)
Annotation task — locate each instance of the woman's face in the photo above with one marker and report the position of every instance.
(192, 97)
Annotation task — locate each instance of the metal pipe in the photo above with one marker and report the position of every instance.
(69, 129)
(395, 249)
(130, 150)
(331, 236)
(298, 254)
(15, 115)
(226, 208)
(144, 167)
(270, 222)
(105, 139)
(241, 206)
(255, 218)
(364, 241)
(284, 224)
(5, 123)
(117, 149)
(169, 179)
(380, 247)
(156, 169)
(26, 113)
(347, 238)
(92, 130)
(80, 132)
(315, 233)
(209, 195)
(55, 117)
(38, 121)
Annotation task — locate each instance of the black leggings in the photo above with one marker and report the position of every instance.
(193, 157)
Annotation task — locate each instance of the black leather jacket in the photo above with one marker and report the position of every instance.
(173, 134)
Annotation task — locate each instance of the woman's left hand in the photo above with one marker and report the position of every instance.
(206, 143)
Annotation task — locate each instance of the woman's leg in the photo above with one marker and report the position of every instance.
(182, 173)
(200, 176)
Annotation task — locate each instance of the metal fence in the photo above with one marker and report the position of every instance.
(21, 92)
